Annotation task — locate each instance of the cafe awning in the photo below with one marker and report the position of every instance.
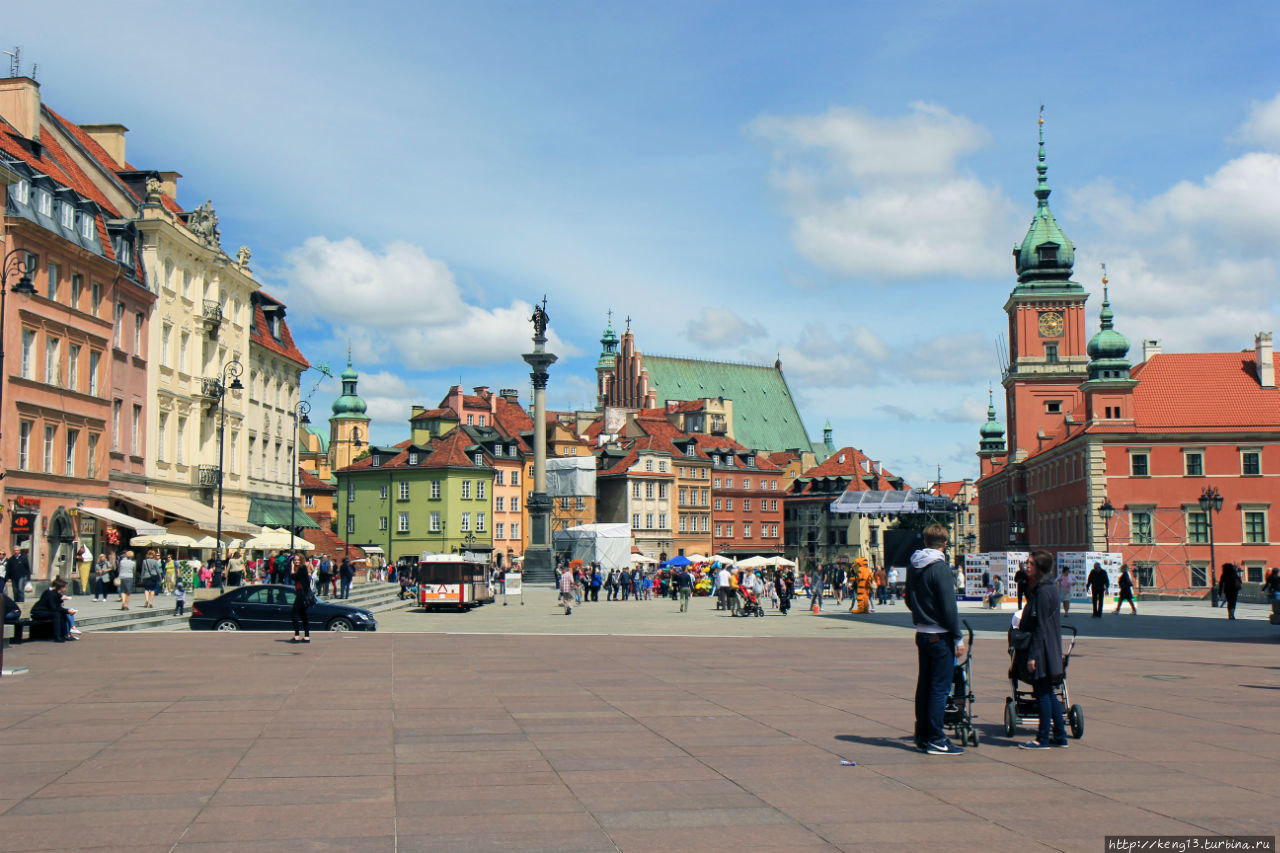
(142, 528)
(268, 512)
(202, 516)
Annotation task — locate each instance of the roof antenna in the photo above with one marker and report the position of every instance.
(15, 61)
(34, 68)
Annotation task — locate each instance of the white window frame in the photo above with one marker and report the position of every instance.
(404, 490)
(72, 445)
(466, 522)
(479, 522)
(435, 490)
(24, 444)
(402, 522)
(434, 522)
(50, 438)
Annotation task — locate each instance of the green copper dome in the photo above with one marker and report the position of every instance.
(1108, 349)
(608, 345)
(350, 404)
(992, 431)
(1045, 253)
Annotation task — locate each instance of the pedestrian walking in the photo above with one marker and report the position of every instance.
(566, 591)
(1044, 655)
(149, 576)
(894, 591)
(17, 570)
(1064, 589)
(783, 590)
(1229, 584)
(1098, 583)
(303, 598)
(1125, 583)
(931, 598)
(684, 587)
(101, 577)
(345, 573)
(179, 598)
(125, 570)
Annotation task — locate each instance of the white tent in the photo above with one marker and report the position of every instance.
(163, 540)
(721, 558)
(781, 561)
(641, 558)
(277, 540)
(571, 477)
(754, 563)
(696, 558)
(608, 544)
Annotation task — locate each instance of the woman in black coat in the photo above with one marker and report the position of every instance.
(1231, 584)
(49, 608)
(301, 578)
(1042, 619)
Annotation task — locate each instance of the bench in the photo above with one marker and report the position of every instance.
(34, 630)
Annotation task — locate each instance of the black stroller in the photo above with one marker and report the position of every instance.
(958, 713)
(1022, 706)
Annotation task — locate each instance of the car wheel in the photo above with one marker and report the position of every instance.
(226, 625)
(340, 624)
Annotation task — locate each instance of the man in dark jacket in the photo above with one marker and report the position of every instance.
(345, 573)
(18, 569)
(1042, 619)
(1098, 583)
(931, 596)
(1020, 580)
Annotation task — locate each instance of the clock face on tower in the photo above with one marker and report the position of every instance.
(1051, 324)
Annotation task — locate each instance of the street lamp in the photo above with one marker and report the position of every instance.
(233, 370)
(300, 419)
(1016, 531)
(25, 266)
(1211, 502)
(1107, 511)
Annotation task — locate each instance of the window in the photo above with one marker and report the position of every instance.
(648, 464)
(1197, 528)
(499, 477)
(135, 439)
(95, 298)
(662, 465)
(717, 482)
(1053, 407)
(77, 288)
(382, 522)
(435, 490)
(690, 450)
(68, 216)
(309, 500)
(50, 436)
(1255, 527)
(182, 440)
(728, 504)
(479, 490)
(662, 520)
(1253, 572)
(1140, 527)
(117, 406)
(183, 341)
(44, 202)
(719, 505)
(648, 520)
(162, 429)
(662, 491)
(1139, 464)
(515, 530)
(22, 192)
(466, 522)
(705, 522)
(413, 457)
(86, 226)
(635, 521)
(499, 503)
(73, 367)
(1250, 463)
(351, 487)
(73, 439)
(746, 504)
(95, 359)
(1199, 575)
(404, 490)
(684, 523)
(746, 482)
(500, 530)
(138, 319)
(434, 522)
(684, 493)
(478, 459)
(402, 522)
(24, 445)
(773, 507)
(52, 292)
(481, 421)
(234, 453)
(466, 490)
(515, 506)
(126, 252)
(28, 354)
(515, 481)
(746, 531)
(728, 482)
(52, 362)
(480, 522)
(648, 490)
(1051, 353)
(91, 457)
(166, 332)
(728, 531)
(382, 492)
(119, 327)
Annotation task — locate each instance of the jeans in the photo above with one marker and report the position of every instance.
(1050, 712)
(100, 587)
(299, 616)
(346, 588)
(18, 584)
(1097, 595)
(684, 599)
(937, 662)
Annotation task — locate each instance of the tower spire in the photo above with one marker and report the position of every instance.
(1042, 167)
(1106, 315)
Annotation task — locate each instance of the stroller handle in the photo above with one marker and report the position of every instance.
(965, 623)
(1071, 643)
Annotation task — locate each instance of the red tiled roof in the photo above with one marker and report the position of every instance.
(949, 488)
(330, 544)
(847, 462)
(310, 482)
(432, 414)
(285, 346)
(451, 451)
(1213, 391)
(621, 466)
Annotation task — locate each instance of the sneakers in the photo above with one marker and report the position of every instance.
(1033, 744)
(943, 748)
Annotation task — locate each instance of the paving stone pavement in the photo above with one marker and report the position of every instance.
(618, 740)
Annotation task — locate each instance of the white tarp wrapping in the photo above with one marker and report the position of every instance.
(571, 477)
(608, 544)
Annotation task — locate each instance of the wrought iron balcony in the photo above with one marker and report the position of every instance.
(210, 389)
(209, 475)
(212, 315)
(718, 426)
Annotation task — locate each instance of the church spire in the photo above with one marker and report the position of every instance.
(1042, 168)
(992, 432)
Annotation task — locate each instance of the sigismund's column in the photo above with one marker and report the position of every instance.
(538, 563)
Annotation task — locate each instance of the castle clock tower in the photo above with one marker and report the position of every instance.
(1047, 352)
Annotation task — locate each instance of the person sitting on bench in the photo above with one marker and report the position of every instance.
(13, 616)
(50, 608)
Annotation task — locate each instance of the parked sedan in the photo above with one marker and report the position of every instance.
(267, 607)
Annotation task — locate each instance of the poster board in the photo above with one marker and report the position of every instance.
(514, 585)
(1005, 565)
(974, 566)
(1081, 563)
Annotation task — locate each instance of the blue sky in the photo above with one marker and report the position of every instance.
(837, 182)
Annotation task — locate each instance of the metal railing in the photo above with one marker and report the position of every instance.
(209, 475)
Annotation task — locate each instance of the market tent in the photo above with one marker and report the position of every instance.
(697, 558)
(754, 563)
(208, 543)
(163, 540)
(721, 558)
(641, 558)
(607, 544)
(277, 540)
(781, 561)
(678, 561)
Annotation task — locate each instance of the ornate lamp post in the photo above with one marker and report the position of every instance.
(1107, 511)
(13, 262)
(233, 370)
(300, 419)
(1210, 503)
(538, 559)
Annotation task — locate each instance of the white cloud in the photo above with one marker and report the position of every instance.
(860, 357)
(886, 197)
(719, 327)
(401, 306)
(1262, 128)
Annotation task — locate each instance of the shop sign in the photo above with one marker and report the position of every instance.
(25, 501)
(21, 525)
(88, 526)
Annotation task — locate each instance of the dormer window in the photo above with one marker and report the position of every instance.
(751, 462)
(376, 461)
(690, 449)
(21, 192)
(413, 458)
(479, 458)
(44, 202)
(86, 226)
(68, 216)
(125, 253)
(1048, 254)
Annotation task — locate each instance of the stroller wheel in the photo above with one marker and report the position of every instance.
(1011, 718)
(1075, 717)
(973, 737)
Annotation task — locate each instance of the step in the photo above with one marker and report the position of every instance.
(148, 622)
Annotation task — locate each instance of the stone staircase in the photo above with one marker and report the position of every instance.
(375, 597)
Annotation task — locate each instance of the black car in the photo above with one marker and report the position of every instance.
(266, 607)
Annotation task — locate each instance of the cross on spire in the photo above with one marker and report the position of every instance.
(628, 322)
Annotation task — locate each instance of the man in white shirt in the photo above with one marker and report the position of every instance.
(723, 590)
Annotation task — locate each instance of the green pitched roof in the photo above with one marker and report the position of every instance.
(764, 413)
(324, 439)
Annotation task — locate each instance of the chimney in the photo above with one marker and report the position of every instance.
(168, 182)
(110, 137)
(511, 395)
(1150, 348)
(414, 411)
(20, 105)
(1266, 359)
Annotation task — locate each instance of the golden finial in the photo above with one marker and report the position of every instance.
(1104, 273)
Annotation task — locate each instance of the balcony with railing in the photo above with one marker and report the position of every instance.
(211, 314)
(208, 475)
